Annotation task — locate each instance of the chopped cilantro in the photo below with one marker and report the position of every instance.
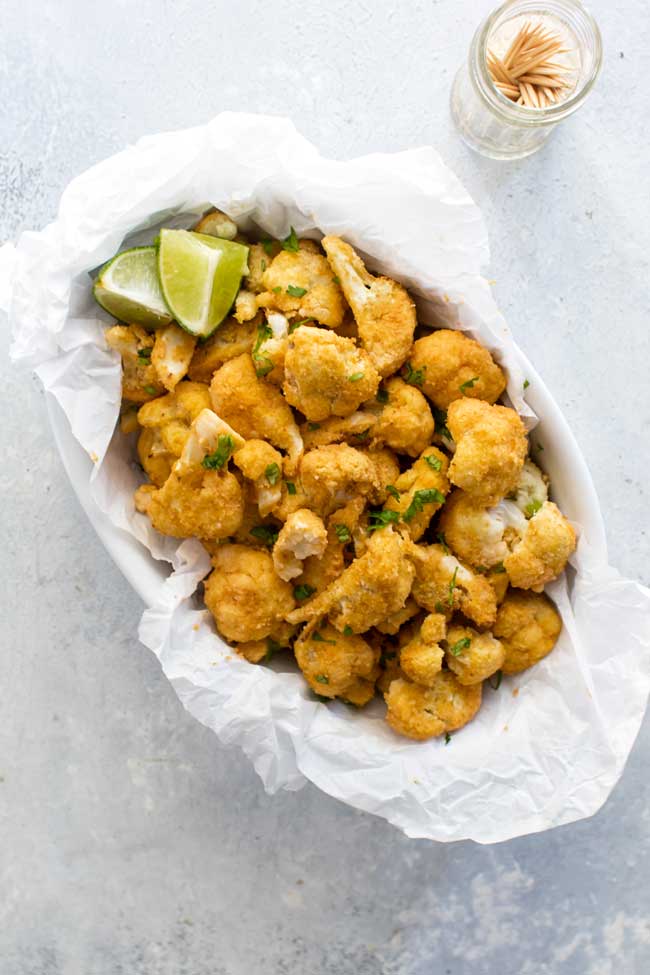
(347, 631)
(271, 647)
(263, 265)
(531, 509)
(336, 279)
(323, 700)
(267, 244)
(495, 680)
(319, 638)
(498, 568)
(313, 426)
(415, 377)
(379, 519)
(295, 325)
(290, 243)
(439, 607)
(144, 353)
(291, 487)
(151, 390)
(443, 541)
(526, 384)
(219, 457)
(303, 591)
(295, 291)
(342, 533)
(539, 447)
(382, 395)
(272, 473)
(276, 290)
(434, 462)
(355, 377)
(265, 534)
(263, 365)
(362, 434)
(452, 586)
(392, 490)
(323, 678)
(420, 498)
(440, 418)
(447, 737)
(458, 647)
(468, 384)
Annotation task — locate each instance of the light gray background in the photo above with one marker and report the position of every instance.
(131, 843)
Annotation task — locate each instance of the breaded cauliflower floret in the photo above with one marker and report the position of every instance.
(332, 476)
(354, 429)
(270, 347)
(426, 712)
(200, 498)
(302, 283)
(542, 554)
(326, 375)
(337, 665)
(479, 534)
(261, 463)
(472, 656)
(245, 595)
(217, 224)
(421, 658)
(393, 623)
(370, 589)
(531, 490)
(443, 585)
(173, 349)
(405, 422)
(254, 408)
(140, 382)
(302, 535)
(165, 424)
(383, 310)
(454, 366)
(420, 491)
(491, 447)
(230, 340)
(258, 261)
(318, 572)
(261, 651)
(246, 306)
(387, 469)
(528, 626)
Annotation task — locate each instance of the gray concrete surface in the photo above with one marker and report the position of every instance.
(131, 843)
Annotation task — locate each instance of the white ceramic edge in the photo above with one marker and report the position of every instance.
(145, 574)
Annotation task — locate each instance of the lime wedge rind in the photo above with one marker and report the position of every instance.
(128, 288)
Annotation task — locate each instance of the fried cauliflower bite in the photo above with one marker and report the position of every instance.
(405, 422)
(337, 665)
(491, 447)
(200, 498)
(354, 429)
(261, 463)
(318, 572)
(301, 283)
(245, 595)
(443, 585)
(421, 658)
(302, 535)
(472, 656)
(478, 534)
(332, 476)
(254, 408)
(426, 712)
(325, 374)
(217, 224)
(261, 651)
(392, 625)
(246, 306)
(258, 261)
(230, 340)
(140, 382)
(270, 348)
(173, 349)
(373, 587)
(528, 626)
(420, 491)
(454, 366)
(165, 423)
(531, 490)
(387, 470)
(544, 550)
(384, 312)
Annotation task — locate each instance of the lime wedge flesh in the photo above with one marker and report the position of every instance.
(128, 288)
(200, 277)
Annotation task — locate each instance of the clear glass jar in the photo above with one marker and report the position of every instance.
(492, 124)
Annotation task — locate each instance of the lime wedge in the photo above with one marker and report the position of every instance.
(128, 287)
(200, 277)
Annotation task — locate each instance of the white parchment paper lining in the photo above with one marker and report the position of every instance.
(547, 754)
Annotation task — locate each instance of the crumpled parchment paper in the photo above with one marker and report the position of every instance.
(548, 745)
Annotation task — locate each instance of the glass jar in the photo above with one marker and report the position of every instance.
(492, 124)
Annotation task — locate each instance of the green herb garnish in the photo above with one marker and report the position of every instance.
(290, 243)
(414, 377)
(355, 377)
(322, 678)
(219, 457)
(295, 325)
(271, 647)
(145, 353)
(313, 426)
(495, 680)
(458, 647)
(272, 473)
(440, 418)
(392, 490)
(434, 462)
(379, 519)
(420, 498)
(447, 737)
(276, 290)
(362, 434)
(499, 568)
(319, 638)
(347, 631)
(452, 586)
(526, 384)
(295, 291)
(267, 244)
(382, 395)
(532, 508)
(151, 390)
(265, 534)
(468, 384)
(303, 591)
(443, 541)
(291, 487)
(342, 533)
